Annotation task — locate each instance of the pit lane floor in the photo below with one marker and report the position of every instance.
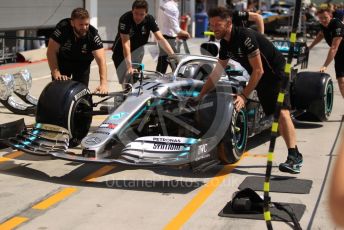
(45, 193)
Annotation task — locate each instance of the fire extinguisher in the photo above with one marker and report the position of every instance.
(184, 22)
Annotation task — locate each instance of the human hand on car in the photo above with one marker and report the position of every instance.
(102, 89)
(323, 69)
(193, 101)
(59, 77)
(183, 35)
(239, 102)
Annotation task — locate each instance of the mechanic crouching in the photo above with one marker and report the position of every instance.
(72, 47)
(266, 67)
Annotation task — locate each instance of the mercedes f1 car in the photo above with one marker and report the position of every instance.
(156, 125)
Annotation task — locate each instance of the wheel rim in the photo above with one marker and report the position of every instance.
(239, 131)
(329, 98)
(81, 120)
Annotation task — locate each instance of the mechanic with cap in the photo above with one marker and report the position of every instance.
(332, 29)
(265, 64)
(133, 32)
(72, 47)
(168, 21)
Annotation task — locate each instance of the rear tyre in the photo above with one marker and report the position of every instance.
(313, 92)
(67, 104)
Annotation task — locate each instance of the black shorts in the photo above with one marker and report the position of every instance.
(339, 64)
(268, 88)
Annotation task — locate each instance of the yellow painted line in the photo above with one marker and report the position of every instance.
(257, 155)
(100, 172)
(54, 198)
(11, 156)
(13, 222)
(185, 214)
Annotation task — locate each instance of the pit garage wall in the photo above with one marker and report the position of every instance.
(35, 14)
(109, 12)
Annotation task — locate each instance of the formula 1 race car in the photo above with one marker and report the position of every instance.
(158, 123)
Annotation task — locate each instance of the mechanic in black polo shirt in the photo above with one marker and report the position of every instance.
(73, 46)
(266, 67)
(332, 29)
(133, 32)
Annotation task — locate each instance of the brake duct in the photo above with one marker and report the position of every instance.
(19, 84)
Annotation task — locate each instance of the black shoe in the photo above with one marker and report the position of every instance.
(292, 165)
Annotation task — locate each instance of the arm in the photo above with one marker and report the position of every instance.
(99, 55)
(258, 20)
(163, 43)
(336, 198)
(52, 51)
(332, 52)
(214, 77)
(126, 51)
(172, 16)
(316, 40)
(257, 72)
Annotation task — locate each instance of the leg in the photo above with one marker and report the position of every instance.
(287, 129)
(339, 68)
(120, 66)
(162, 60)
(341, 85)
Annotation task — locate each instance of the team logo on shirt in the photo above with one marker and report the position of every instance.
(84, 49)
(248, 43)
(143, 30)
(67, 46)
(240, 54)
(338, 31)
(122, 26)
(131, 32)
(57, 33)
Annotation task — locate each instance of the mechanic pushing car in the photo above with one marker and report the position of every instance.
(332, 29)
(72, 47)
(266, 67)
(133, 32)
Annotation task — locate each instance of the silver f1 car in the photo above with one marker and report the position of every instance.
(156, 125)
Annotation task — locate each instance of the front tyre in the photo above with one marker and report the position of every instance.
(67, 104)
(233, 144)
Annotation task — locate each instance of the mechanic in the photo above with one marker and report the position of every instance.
(265, 64)
(332, 29)
(168, 21)
(133, 32)
(72, 47)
